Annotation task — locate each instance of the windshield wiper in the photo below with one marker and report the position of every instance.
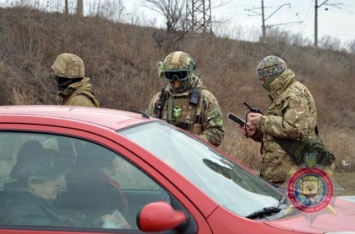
(263, 212)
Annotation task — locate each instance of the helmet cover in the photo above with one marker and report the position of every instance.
(178, 60)
(270, 66)
(69, 66)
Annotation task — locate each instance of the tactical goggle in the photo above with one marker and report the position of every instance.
(179, 75)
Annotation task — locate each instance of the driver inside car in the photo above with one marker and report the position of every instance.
(31, 198)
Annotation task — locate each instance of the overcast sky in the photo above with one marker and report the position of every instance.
(243, 17)
(296, 16)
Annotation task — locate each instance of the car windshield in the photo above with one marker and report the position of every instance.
(224, 181)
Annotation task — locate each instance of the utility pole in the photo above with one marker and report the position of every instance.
(316, 21)
(79, 7)
(263, 19)
(66, 7)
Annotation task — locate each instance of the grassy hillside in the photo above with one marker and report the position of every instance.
(122, 59)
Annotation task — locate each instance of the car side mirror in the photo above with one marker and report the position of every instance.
(160, 216)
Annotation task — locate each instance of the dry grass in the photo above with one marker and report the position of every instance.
(121, 59)
(347, 181)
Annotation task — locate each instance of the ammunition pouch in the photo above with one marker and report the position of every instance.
(298, 149)
(183, 125)
(196, 128)
(158, 109)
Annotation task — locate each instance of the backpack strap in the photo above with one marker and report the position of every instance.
(170, 108)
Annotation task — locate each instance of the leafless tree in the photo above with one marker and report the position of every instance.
(330, 43)
(177, 18)
(351, 46)
(173, 11)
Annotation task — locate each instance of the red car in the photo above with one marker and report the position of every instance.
(96, 170)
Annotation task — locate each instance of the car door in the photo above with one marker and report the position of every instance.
(107, 182)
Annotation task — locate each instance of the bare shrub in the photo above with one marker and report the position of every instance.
(330, 43)
(351, 46)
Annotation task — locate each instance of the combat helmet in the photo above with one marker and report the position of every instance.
(270, 66)
(69, 65)
(179, 60)
(179, 65)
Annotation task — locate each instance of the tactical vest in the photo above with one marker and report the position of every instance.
(87, 93)
(179, 112)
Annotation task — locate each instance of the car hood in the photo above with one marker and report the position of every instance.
(339, 216)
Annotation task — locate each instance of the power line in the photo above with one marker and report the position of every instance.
(263, 18)
(307, 17)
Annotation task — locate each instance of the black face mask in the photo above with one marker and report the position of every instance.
(63, 82)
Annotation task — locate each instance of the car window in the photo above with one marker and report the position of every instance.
(58, 181)
(218, 177)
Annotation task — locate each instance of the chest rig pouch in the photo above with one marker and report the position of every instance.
(180, 112)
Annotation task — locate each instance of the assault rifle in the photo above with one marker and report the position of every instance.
(160, 104)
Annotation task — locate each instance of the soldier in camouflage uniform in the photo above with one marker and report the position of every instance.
(185, 102)
(292, 115)
(74, 88)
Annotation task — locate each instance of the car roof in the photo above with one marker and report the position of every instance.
(110, 118)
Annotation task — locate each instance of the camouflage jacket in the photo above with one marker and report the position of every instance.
(292, 114)
(209, 124)
(78, 94)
